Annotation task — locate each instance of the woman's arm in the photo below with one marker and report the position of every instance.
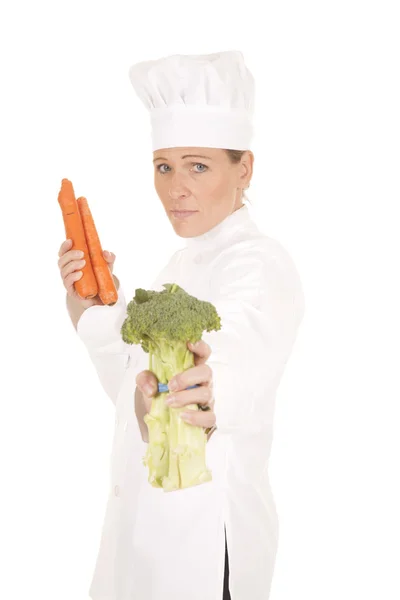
(261, 304)
(99, 328)
(141, 411)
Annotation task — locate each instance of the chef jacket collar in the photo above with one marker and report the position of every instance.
(234, 221)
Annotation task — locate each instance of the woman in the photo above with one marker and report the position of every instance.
(190, 544)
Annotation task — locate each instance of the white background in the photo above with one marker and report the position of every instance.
(325, 184)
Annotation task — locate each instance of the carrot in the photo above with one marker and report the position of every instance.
(106, 288)
(86, 286)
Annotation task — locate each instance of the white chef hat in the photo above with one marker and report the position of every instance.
(204, 100)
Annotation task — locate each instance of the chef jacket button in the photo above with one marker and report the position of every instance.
(198, 259)
(116, 490)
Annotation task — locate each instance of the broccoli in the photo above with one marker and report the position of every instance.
(162, 323)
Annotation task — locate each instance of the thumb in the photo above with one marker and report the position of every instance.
(147, 382)
(109, 257)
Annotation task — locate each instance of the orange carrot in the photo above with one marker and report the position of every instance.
(106, 288)
(86, 286)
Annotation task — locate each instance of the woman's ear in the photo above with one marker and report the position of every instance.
(246, 169)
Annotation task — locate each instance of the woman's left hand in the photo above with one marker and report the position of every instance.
(201, 374)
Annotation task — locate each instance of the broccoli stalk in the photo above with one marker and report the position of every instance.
(162, 323)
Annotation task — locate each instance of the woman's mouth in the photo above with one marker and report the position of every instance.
(183, 214)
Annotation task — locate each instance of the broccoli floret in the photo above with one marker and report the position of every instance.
(163, 323)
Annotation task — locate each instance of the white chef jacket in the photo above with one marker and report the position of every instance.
(158, 545)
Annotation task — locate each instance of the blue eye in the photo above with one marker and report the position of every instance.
(194, 164)
(201, 164)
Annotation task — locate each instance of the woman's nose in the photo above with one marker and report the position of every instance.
(178, 185)
(177, 191)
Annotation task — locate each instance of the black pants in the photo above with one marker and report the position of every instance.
(227, 595)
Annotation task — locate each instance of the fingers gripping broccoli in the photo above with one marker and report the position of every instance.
(162, 323)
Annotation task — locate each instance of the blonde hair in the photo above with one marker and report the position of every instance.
(235, 156)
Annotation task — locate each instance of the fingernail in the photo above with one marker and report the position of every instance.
(184, 416)
(173, 385)
(169, 399)
(148, 389)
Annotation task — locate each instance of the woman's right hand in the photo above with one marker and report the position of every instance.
(70, 263)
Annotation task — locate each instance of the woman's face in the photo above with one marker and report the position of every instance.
(202, 180)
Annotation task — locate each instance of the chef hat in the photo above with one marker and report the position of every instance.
(204, 100)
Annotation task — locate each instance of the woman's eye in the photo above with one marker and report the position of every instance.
(194, 164)
(159, 167)
(201, 165)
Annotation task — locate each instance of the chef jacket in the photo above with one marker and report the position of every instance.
(158, 545)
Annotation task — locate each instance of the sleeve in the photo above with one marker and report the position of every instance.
(261, 304)
(99, 328)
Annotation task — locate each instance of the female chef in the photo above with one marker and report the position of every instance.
(175, 546)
